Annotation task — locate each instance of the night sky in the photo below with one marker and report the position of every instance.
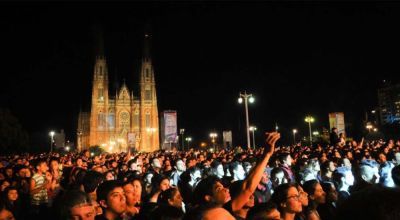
(295, 58)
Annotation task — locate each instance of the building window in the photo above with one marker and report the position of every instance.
(111, 120)
(101, 120)
(147, 73)
(147, 121)
(101, 94)
(136, 120)
(147, 95)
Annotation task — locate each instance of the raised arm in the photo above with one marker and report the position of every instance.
(254, 177)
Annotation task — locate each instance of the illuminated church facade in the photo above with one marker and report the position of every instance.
(126, 121)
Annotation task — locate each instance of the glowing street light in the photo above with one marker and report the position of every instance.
(315, 133)
(213, 135)
(309, 119)
(182, 132)
(250, 98)
(375, 129)
(294, 136)
(188, 139)
(369, 127)
(51, 133)
(253, 129)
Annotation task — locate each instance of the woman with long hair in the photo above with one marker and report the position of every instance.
(316, 196)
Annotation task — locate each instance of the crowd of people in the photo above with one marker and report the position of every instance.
(342, 180)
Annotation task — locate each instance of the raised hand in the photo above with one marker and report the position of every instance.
(271, 140)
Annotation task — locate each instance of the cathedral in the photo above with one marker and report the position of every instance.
(123, 122)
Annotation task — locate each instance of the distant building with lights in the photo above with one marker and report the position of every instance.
(389, 104)
(126, 120)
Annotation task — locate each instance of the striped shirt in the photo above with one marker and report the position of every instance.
(41, 196)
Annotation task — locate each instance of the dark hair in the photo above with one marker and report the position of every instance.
(165, 195)
(372, 203)
(258, 211)
(309, 186)
(283, 156)
(68, 199)
(105, 188)
(92, 180)
(203, 188)
(235, 188)
(167, 213)
(396, 175)
(280, 194)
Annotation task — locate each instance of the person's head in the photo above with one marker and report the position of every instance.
(160, 183)
(343, 177)
(372, 203)
(170, 197)
(5, 213)
(75, 204)
(137, 188)
(396, 175)
(315, 192)
(334, 130)
(278, 176)
(369, 171)
(217, 169)
(180, 166)
(109, 175)
(54, 164)
(211, 190)
(195, 174)
(11, 194)
(307, 175)
(264, 177)
(237, 170)
(303, 195)
(148, 178)
(111, 197)
(285, 159)
(397, 158)
(286, 197)
(264, 211)
(330, 190)
(155, 163)
(328, 167)
(385, 173)
(41, 166)
(92, 180)
(79, 162)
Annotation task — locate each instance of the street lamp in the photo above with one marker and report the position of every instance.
(182, 132)
(213, 136)
(188, 139)
(250, 98)
(315, 133)
(51, 133)
(253, 129)
(369, 127)
(309, 120)
(294, 136)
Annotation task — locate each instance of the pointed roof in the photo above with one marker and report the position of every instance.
(98, 41)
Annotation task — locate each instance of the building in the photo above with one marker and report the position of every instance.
(126, 120)
(389, 104)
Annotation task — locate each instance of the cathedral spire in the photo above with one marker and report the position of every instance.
(147, 43)
(99, 42)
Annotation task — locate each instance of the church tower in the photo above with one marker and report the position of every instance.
(99, 106)
(149, 128)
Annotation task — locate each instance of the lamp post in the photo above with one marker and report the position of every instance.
(213, 136)
(182, 132)
(250, 99)
(309, 119)
(253, 129)
(294, 136)
(51, 133)
(188, 139)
